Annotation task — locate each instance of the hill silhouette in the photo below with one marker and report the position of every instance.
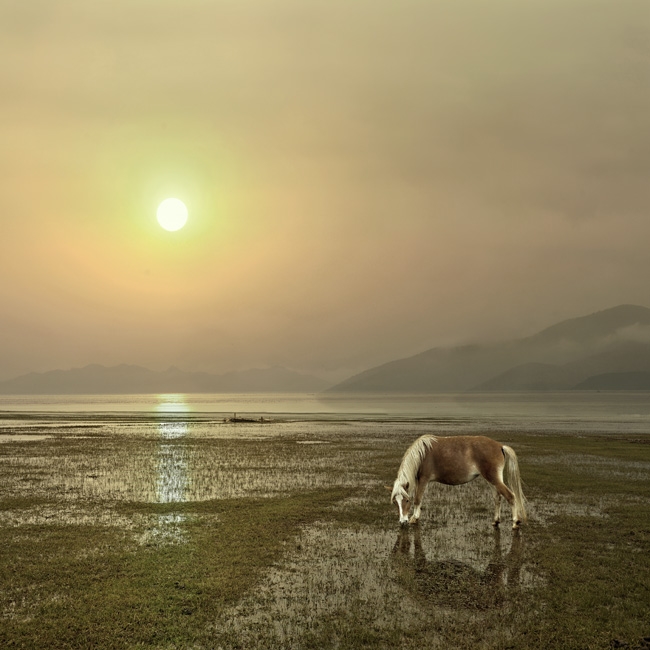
(558, 358)
(617, 381)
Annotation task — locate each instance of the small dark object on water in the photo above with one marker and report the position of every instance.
(235, 419)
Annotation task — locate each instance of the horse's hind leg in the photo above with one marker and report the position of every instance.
(419, 495)
(495, 477)
(506, 493)
(497, 508)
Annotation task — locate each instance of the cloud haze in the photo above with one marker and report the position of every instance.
(365, 179)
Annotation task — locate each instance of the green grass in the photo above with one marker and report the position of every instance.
(583, 568)
(87, 586)
(596, 568)
(598, 580)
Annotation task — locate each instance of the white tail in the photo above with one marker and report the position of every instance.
(512, 479)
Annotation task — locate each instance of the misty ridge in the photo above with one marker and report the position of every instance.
(607, 350)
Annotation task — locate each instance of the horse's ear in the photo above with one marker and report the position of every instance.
(388, 487)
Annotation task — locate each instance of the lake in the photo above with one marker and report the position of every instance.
(566, 411)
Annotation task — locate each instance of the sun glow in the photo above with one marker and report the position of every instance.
(172, 214)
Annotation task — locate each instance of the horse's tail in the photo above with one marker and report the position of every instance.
(513, 480)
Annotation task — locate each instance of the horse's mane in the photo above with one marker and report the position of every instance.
(408, 469)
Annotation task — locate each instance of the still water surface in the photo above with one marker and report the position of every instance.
(568, 411)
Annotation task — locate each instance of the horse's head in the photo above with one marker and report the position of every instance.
(400, 496)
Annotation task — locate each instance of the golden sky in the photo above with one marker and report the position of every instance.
(365, 179)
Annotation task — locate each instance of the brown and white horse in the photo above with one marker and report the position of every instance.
(453, 461)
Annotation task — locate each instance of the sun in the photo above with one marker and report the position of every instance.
(172, 214)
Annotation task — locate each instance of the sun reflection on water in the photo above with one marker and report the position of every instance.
(172, 403)
(173, 475)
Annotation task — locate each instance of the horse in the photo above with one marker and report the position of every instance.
(453, 461)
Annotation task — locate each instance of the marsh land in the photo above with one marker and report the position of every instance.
(155, 523)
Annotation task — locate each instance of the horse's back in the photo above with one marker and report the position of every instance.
(476, 445)
(459, 459)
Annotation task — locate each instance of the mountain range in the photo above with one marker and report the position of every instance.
(124, 379)
(607, 350)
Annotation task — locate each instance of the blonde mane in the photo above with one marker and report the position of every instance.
(408, 469)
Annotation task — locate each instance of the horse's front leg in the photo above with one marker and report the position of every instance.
(419, 495)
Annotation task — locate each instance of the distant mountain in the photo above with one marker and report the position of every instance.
(531, 376)
(617, 357)
(617, 381)
(557, 358)
(599, 326)
(124, 379)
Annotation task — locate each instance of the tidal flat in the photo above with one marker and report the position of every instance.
(190, 532)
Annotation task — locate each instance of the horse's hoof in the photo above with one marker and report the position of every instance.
(404, 523)
(496, 524)
(516, 525)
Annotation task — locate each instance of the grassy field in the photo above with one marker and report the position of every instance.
(186, 542)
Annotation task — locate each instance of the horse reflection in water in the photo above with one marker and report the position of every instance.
(450, 583)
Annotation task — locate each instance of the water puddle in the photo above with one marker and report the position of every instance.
(176, 467)
(452, 568)
(172, 484)
(23, 437)
(166, 529)
(173, 473)
(381, 580)
(329, 572)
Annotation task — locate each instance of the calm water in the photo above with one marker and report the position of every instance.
(571, 411)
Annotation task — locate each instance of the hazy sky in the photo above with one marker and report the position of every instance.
(365, 179)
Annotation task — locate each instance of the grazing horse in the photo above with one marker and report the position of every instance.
(454, 461)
